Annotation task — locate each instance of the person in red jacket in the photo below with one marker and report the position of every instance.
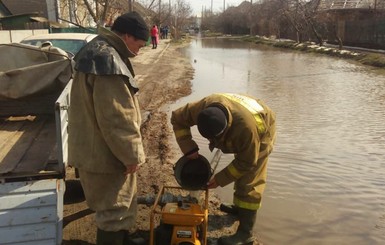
(154, 36)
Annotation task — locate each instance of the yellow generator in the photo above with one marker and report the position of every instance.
(181, 222)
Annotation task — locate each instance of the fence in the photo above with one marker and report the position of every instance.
(15, 36)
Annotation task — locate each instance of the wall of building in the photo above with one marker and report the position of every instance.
(15, 36)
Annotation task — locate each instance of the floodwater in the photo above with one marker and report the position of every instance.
(326, 175)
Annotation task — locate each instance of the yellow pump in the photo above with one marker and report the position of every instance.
(181, 223)
(184, 221)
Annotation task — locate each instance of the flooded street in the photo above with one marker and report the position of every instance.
(326, 181)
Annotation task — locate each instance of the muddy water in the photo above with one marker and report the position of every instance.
(326, 176)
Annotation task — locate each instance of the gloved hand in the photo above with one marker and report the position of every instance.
(212, 184)
(131, 169)
(193, 155)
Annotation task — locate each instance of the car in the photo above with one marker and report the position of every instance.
(69, 42)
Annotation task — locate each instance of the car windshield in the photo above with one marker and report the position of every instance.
(68, 45)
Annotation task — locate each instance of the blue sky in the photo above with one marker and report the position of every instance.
(197, 5)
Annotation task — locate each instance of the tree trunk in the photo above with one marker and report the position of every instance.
(339, 42)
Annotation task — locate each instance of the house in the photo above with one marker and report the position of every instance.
(21, 14)
(45, 8)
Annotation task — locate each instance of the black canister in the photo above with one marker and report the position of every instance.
(192, 174)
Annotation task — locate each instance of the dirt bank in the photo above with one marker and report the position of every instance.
(163, 75)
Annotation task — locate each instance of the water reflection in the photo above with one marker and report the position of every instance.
(325, 183)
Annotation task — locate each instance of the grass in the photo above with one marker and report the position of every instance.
(377, 60)
(371, 59)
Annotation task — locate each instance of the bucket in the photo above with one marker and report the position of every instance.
(192, 174)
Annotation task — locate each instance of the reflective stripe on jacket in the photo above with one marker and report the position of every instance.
(252, 106)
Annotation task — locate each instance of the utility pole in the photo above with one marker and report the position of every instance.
(71, 11)
(375, 22)
(160, 4)
(175, 25)
(51, 10)
(130, 5)
(251, 18)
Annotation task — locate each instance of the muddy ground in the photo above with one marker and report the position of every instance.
(163, 76)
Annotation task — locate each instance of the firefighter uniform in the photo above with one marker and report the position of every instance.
(249, 135)
(104, 127)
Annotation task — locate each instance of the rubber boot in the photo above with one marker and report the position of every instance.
(133, 239)
(244, 234)
(228, 208)
(109, 237)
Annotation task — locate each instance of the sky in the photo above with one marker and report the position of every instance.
(197, 5)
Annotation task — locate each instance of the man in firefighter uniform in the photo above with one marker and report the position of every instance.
(105, 143)
(237, 124)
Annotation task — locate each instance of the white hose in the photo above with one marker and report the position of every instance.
(215, 161)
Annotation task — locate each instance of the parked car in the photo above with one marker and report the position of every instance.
(69, 42)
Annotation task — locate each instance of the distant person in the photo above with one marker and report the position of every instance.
(154, 36)
(105, 143)
(240, 125)
(166, 32)
(162, 36)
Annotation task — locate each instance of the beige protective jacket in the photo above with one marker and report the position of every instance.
(241, 136)
(105, 119)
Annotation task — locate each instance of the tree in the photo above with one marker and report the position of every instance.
(104, 12)
(90, 12)
(182, 12)
(162, 12)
